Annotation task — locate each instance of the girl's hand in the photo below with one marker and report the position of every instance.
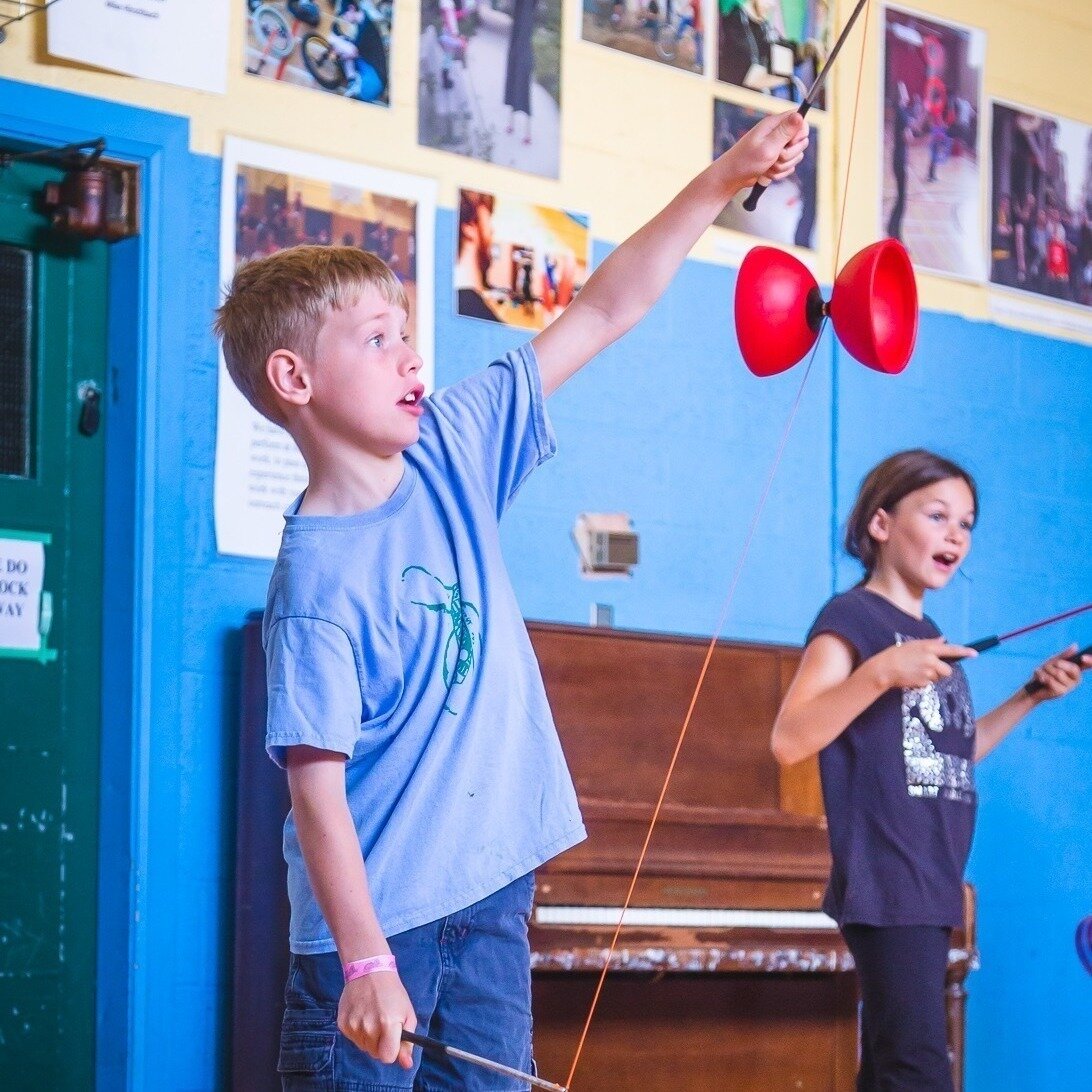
(1059, 675)
(769, 150)
(915, 664)
(372, 1013)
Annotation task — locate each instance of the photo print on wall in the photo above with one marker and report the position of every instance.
(787, 212)
(670, 32)
(932, 93)
(776, 47)
(1041, 205)
(490, 81)
(515, 262)
(338, 46)
(272, 198)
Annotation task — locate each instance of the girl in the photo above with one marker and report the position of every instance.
(880, 697)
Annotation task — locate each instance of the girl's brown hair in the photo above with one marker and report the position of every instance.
(886, 485)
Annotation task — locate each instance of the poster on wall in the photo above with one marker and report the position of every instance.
(341, 47)
(670, 32)
(775, 47)
(515, 262)
(932, 185)
(787, 212)
(489, 82)
(182, 42)
(274, 198)
(25, 612)
(1041, 205)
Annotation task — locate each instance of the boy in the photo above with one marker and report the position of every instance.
(426, 777)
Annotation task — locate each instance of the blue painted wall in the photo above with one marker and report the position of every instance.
(669, 427)
(1016, 410)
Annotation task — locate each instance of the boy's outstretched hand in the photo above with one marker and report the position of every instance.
(769, 151)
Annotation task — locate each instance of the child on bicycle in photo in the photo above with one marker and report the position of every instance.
(356, 39)
(404, 699)
(880, 697)
(689, 16)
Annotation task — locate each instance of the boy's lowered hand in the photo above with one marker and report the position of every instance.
(770, 151)
(372, 1013)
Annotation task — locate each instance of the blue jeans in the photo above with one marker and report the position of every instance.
(469, 978)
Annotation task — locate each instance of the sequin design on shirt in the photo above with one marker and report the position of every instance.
(941, 706)
(461, 638)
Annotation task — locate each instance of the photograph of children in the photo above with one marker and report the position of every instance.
(517, 263)
(786, 214)
(932, 85)
(776, 47)
(490, 81)
(272, 198)
(275, 210)
(671, 32)
(1041, 204)
(340, 46)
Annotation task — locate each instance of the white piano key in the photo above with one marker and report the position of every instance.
(698, 918)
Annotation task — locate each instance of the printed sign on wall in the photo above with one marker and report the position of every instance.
(183, 42)
(274, 198)
(22, 576)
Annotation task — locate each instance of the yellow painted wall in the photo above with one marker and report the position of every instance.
(633, 131)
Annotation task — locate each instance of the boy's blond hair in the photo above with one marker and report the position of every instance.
(281, 302)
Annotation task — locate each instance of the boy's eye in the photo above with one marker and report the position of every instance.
(376, 340)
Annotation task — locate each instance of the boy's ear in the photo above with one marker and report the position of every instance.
(879, 526)
(289, 376)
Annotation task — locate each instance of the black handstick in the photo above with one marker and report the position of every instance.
(435, 1047)
(1034, 686)
(759, 188)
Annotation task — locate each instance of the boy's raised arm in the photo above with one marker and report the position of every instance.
(621, 291)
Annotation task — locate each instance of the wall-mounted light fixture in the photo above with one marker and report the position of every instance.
(95, 199)
(607, 544)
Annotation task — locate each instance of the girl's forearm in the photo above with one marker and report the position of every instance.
(992, 728)
(803, 729)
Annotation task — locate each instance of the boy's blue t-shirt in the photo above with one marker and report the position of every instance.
(394, 638)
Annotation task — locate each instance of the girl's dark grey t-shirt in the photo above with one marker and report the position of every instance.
(898, 783)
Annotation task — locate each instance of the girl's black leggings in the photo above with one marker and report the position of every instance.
(904, 1041)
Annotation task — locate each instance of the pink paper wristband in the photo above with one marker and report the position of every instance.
(360, 967)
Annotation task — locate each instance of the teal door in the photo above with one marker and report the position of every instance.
(52, 422)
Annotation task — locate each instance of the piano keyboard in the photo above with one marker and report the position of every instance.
(693, 918)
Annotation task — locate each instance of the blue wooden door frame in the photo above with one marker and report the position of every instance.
(142, 336)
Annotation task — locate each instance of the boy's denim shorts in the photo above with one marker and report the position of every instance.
(469, 978)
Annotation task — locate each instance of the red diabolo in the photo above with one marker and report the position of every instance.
(774, 328)
(874, 308)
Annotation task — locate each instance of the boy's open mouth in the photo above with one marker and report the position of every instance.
(412, 397)
(946, 560)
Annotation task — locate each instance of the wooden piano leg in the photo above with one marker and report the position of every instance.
(956, 994)
(962, 959)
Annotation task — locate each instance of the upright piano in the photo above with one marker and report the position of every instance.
(727, 974)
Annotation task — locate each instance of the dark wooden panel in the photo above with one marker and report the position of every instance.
(620, 698)
(699, 1033)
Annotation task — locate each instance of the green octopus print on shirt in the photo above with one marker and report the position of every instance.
(461, 637)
